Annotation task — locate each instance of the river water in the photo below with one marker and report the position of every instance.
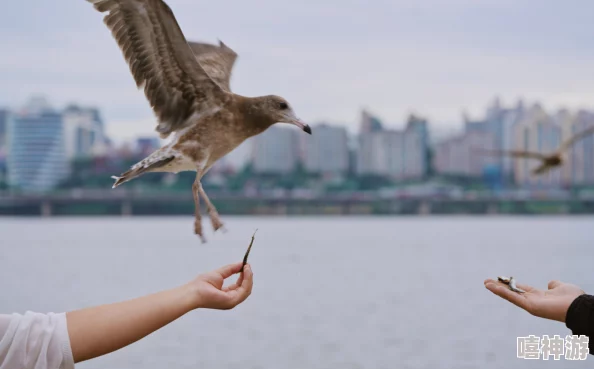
(329, 292)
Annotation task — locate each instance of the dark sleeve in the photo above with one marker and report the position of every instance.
(580, 318)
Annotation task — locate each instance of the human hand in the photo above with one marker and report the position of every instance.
(208, 292)
(550, 304)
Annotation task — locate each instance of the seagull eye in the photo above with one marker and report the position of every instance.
(283, 106)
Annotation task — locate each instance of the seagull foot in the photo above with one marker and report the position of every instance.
(216, 222)
(198, 230)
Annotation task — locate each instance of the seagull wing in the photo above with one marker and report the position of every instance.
(516, 154)
(217, 61)
(572, 140)
(161, 61)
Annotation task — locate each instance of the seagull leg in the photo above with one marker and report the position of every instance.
(197, 216)
(212, 211)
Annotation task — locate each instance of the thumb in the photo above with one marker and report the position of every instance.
(245, 289)
(554, 284)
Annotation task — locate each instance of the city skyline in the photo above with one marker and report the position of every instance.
(439, 132)
(433, 58)
(42, 143)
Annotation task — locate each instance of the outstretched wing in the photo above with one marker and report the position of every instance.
(161, 61)
(572, 140)
(217, 61)
(515, 154)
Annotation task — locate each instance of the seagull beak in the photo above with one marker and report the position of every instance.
(304, 127)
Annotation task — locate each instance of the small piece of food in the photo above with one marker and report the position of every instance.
(511, 282)
(247, 253)
(512, 286)
(504, 279)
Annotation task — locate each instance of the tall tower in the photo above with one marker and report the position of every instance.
(370, 123)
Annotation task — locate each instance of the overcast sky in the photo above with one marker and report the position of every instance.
(329, 58)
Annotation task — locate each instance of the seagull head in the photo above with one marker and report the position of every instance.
(278, 110)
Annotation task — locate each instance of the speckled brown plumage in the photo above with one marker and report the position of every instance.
(217, 61)
(188, 88)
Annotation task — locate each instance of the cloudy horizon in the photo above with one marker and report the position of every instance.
(329, 59)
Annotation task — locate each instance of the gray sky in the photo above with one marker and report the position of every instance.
(329, 58)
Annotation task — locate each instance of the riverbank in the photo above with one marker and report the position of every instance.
(182, 204)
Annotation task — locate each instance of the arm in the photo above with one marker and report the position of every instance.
(562, 302)
(580, 318)
(103, 329)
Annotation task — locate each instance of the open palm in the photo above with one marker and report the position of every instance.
(550, 304)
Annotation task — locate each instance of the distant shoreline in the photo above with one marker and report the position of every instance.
(175, 205)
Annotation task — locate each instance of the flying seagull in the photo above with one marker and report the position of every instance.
(187, 86)
(551, 160)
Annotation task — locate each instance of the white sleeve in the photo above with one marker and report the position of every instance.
(35, 341)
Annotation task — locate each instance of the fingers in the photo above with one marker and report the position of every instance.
(504, 292)
(235, 285)
(239, 294)
(228, 270)
(489, 280)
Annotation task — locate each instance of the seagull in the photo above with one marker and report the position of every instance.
(551, 160)
(187, 86)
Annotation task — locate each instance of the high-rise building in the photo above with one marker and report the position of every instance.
(327, 150)
(396, 154)
(499, 122)
(3, 137)
(381, 153)
(536, 132)
(37, 159)
(84, 131)
(370, 123)
(368, 153)
(579, 168)
(459, 155)
(276, 150)
(353, 147)
(3, 143)
(417, 149)
(509, 118)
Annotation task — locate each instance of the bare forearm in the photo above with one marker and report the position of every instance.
(103, 329)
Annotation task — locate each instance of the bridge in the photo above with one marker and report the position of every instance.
(131, 202)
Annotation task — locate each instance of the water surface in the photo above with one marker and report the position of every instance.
(330, 292)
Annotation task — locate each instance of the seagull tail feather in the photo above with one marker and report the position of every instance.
(119, 180)
(139, 169)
